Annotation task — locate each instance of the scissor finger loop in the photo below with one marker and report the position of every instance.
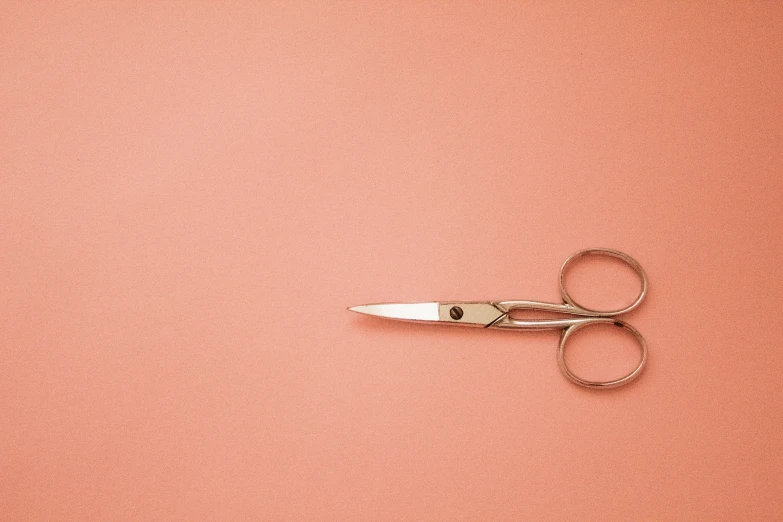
(605, 252)
(571, 376)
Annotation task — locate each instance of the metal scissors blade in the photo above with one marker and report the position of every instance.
(460, 313)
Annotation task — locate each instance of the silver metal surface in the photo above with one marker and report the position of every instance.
(402, 311)
(491, 314)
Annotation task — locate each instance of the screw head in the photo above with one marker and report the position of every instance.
(456, 313)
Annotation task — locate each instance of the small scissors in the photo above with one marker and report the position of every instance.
(495, 314)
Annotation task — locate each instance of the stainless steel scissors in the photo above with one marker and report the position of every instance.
(496, 314)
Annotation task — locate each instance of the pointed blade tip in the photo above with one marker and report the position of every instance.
(401, 311)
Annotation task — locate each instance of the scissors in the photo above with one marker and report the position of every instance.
(496, 314)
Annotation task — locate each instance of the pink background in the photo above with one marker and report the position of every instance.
(192, 193)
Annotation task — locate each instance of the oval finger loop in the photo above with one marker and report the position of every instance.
(625, 258)
(601, 384)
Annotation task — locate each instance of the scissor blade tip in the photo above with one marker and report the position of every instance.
(401, 311)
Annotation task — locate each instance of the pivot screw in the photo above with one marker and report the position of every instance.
(456, 313)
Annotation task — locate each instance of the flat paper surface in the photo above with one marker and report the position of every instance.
(191, 194)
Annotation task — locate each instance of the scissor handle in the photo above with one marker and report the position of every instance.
(600, 384)
(625, 258)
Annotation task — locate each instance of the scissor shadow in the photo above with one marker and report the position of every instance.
(485, 336)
